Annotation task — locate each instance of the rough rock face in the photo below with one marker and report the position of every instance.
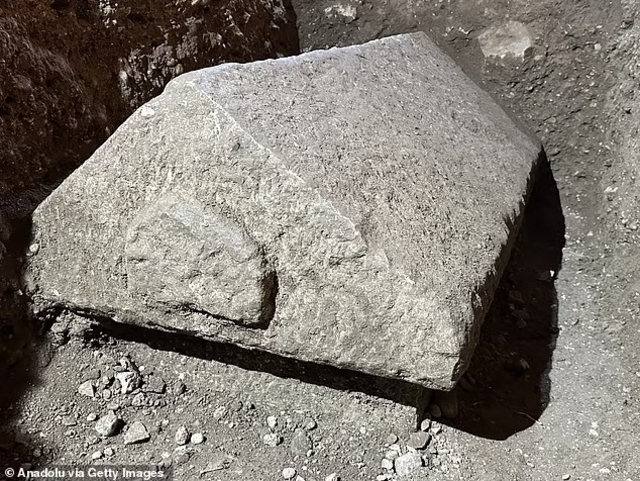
(352, 207)
(621, 182)
(73, 70)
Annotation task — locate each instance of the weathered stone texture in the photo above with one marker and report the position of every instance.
(352, 207)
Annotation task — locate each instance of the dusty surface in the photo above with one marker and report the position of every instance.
(574, 408)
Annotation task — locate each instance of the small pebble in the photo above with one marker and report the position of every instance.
(436, 428)
(197, 438)
(419, 440)
(289, 473)
(178, 388)
(387, 464)
(87, 389)
(182, 436)
(272, 422)
(332, 477)
(107, 425)
(219, 413)
(108, 451)
(137, 433)
(391, 454)
(96, 455)
(181, 457)
(425, 424)
(309, 424)
(69, 421)
(92, 417)
(391, 439)
(272, 440)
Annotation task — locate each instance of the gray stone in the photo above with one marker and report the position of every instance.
(419, 440)
(386, 464)
(353, 207)
(309, 424)
(197, 438)
(87, 389)
(289, 473)
(129, 381)
(272, 422)
(182, 436)
(272, 440)
(137, 433)
(408, 463)
(510, 39)
(301, 443)
(108, 425)
(425, 424)
(154, 384)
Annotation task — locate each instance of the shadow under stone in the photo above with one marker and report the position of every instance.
(507, 386)
(22, 352)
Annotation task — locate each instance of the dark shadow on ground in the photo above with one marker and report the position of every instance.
(22, 353)
(507, 386)
(402, 392)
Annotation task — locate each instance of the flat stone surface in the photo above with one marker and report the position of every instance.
(352, 207)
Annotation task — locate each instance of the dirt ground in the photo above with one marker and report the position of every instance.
(554, 388)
